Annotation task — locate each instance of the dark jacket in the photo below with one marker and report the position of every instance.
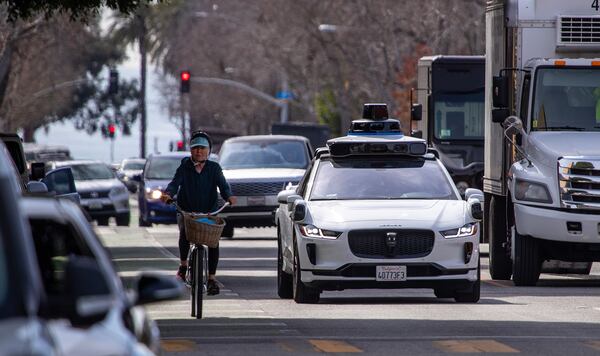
(197, 192)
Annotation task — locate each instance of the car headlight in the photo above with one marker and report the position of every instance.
(153, 194)
(531, 191)
(469, 229)
(125, 178)
(313, 231)
(118, 191)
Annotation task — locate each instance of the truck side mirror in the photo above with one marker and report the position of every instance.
(499, 115)
(500, 91)
(416, 112)
(416, 133)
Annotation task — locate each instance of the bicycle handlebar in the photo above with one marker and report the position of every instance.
(173, 202)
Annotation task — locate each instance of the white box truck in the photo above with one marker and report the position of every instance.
(542, 137)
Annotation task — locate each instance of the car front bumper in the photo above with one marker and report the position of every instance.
(157, 212)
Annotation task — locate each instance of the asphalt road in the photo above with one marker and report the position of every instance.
(561, 316)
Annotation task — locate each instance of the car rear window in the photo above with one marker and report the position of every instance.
(392, 178)
(264, 154)
(162, 167)
(91, 171)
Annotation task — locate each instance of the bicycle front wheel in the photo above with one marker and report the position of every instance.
(198, 281)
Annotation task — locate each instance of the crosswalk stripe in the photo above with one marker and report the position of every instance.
(177, 345)
(594, 344)
(334, 346)
(473, 346)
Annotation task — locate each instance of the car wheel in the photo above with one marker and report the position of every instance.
(285, 287)
(227, 230)
(143, 223)
(302, 293)
(500, 263)
(443, 293)
(102, 221)
(472, 294)
(123, 219)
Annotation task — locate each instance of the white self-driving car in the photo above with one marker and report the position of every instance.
(376, 210)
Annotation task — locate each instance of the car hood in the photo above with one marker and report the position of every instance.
(384, 213)
(156, 183)
(263, 173)
(97, 184)
(550, 146)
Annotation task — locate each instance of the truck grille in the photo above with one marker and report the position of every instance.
(579, 183)
(373, 244)
(576, 30)
(254, 189)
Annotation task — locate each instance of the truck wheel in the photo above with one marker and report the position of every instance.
(528, 262)
(302, 293)
(285, 287)
(500, 263)
(472, 294)
(228, 230)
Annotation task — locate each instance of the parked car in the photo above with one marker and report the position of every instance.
(158, 172)
(257, 168)
(68, 300)
(45, 153)
(102, 195)
(129, 168)
(378, 211)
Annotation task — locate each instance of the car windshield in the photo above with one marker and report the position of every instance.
(391, 178)
(133, 166)
(91, 171)
(459, 116)
(263, 154)
(566, 99)
(162, 167)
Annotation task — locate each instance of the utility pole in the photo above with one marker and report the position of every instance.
(142, 40)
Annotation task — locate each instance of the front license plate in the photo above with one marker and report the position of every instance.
(256, 200)
(390, 273)
(95, 205)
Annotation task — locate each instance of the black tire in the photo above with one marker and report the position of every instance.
(302, 293)
(190, 277)
(102, 221)
(285, 286)
(199, 281)
(123, 219)
(472, 294)
(143, 223)
(228, 230)
(443, 293)
(500, 263)
(527, 265)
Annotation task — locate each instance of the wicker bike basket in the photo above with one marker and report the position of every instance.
(203, 233)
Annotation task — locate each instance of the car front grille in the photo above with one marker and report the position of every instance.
(94, 194)
(409, 243)
(258, 188)
(579, 183)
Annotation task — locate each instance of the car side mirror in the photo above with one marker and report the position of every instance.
(416, 112)
(299, 211)
(153, 288)
(137, 178)
(476, 209)
(475, 193)
(87, 287)
(416, 133)
(37, 187)
(291, 200)
(283, 195)
(38, 170)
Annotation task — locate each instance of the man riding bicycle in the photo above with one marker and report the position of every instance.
(195, 184)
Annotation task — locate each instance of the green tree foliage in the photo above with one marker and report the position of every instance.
(327, 112)
(76, 9)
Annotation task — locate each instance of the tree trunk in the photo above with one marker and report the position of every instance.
(143, 60)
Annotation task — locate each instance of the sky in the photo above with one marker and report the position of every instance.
(159, 128)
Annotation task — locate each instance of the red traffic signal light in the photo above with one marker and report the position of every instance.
(180, 146)
(111, 130)
(185, 81)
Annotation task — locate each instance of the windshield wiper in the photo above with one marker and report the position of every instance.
(560, 128)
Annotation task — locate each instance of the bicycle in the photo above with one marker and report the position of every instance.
(201, 235)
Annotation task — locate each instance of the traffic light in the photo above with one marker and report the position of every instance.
(180, 146)
(185, 81)
(113, 82)
(111, 131)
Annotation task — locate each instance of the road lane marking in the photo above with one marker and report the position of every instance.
(177, 345)
(473, 346)
(334, 346)
(594, 344)
(384, 338)
(496, 283)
